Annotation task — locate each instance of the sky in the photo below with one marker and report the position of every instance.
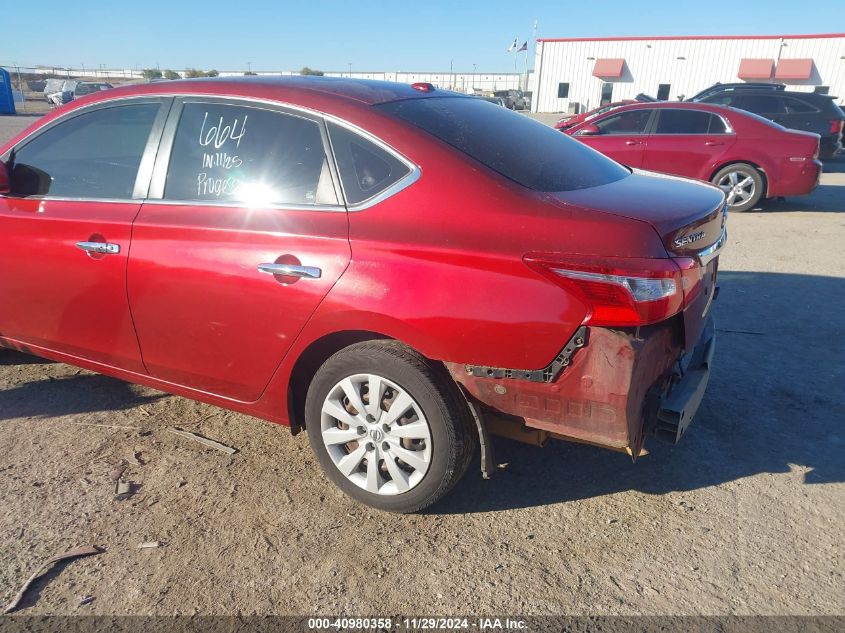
(418, 35)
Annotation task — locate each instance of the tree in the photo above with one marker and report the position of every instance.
(151, 73)
(310, 71)
(193, 73)
(212, 73)
(170, 74)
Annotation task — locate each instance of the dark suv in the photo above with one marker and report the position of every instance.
(806, 111)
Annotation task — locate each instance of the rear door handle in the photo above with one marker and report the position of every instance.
(291, 270)
(102, 248)
(712, 143)
(633, 142)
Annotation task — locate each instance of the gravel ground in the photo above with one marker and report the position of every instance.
(745, 516)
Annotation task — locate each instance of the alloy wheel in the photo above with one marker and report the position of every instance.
(738, 186)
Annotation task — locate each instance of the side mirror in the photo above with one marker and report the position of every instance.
(588, 130)
(5, 188)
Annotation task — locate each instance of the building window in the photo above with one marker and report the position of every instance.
(562, 90)
(822, 90)
(663, 92)
(606, 94)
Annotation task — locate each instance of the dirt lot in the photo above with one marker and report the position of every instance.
(745, 516)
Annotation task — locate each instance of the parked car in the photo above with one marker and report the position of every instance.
(514, 99)
(74, 89)
(733, 87)
(52, 86)
(806, 111)
(570, 121)
(364, 261)
(747, 156)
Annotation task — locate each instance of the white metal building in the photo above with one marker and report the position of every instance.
(578, 74)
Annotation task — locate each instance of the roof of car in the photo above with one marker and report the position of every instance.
(365, 91)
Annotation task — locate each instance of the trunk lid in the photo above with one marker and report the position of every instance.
(689, 215)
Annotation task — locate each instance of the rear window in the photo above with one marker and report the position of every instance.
(529, 153)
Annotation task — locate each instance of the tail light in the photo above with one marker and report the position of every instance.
(622, 292)
(836, 126)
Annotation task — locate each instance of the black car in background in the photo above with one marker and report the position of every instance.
(745, 85)
(805, 111)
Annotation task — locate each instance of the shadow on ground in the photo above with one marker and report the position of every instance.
(84, 393)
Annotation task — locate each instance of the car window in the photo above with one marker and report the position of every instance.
(245, 154)
(797, 106)
(683, 122)
(526, 151)
(630, 122)
(86, 89)
(760, 104)
(723, 99)
(717, 125)
(91, 155)
(365, 168)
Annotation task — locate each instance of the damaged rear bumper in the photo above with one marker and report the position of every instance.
(613, 391)
(676, 406)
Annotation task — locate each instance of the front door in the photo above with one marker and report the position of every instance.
(242, 237)
(65, 232)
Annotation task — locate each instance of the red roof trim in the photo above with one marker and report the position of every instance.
(794, 69)
(691, 37)
(755, 68)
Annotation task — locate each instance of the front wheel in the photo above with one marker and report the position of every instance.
(388, 427)
(742, 184)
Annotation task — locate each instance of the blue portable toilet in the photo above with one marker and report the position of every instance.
(7, 98)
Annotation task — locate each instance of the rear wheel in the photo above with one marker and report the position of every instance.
(388, 427)
(742, 184)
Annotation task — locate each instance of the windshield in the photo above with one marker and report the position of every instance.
(529, 153)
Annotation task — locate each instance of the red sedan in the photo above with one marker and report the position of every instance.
(363, 261)
(747, 156)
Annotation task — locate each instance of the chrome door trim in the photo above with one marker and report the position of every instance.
(291, 270)
(101, 248)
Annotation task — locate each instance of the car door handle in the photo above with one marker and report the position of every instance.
(102, 248)
(291, 270)
(712, 143)
(633, 142)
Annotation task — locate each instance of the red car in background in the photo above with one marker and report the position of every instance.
(745, 155)
(590, 114)
(364, 261)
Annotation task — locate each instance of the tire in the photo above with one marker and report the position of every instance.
(742, 184)
(441, 441)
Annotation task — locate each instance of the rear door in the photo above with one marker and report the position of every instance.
(622, 136)
(66, 228)
(687, 142)
(242, 236)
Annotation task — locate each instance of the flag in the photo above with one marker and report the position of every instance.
(513, 46)
(524, 47)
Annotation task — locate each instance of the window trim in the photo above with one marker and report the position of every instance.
(654, 122)
(142, 177)
(414, 173)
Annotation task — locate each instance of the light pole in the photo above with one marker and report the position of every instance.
(350, 70)
(473, 76)
(249, 67)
